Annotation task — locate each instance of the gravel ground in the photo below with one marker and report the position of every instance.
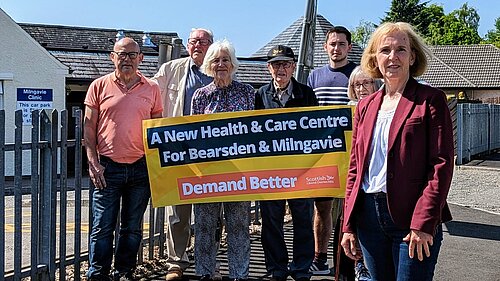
(476, 187)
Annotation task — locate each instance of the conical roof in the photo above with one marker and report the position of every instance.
(291, 37)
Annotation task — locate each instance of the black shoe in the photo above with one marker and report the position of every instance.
(303, 279)
(99, 277)
(277, 278)
(206, 278)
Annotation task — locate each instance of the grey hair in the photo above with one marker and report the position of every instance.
(377, 83)
(213, 51)
(207, 31)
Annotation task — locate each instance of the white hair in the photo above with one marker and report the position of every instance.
(213, 51)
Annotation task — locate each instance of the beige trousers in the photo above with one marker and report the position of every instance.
(178, 235)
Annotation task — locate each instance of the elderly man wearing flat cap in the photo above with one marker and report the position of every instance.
(285, 91)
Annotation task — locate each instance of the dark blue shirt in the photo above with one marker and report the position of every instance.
(195, 80)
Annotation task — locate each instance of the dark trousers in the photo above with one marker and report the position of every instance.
(127, 184)
(273, 240)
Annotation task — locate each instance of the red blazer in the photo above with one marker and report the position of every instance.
(420, 158)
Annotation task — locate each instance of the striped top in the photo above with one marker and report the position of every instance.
(330, 85)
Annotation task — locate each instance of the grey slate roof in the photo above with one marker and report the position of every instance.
(58, 37)
(91, 65)
(86, 50)
(469, 66)
(291, 37)
(254, 73)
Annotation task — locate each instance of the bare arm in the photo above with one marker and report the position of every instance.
(96, 170)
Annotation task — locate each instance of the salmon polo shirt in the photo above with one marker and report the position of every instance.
(121, 111)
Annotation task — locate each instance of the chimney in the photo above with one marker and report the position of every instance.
(146, 41)
(120, 34)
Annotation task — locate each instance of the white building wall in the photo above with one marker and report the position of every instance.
(26, 64)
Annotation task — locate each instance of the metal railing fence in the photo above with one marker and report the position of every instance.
(33, 230)
(41, 241)
(478, 130)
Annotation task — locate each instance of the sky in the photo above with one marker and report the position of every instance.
(248, 24)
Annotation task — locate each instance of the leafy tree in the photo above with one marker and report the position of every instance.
(456, 28)
(467, 15)
(493, 36)
(404, 10)
(362, 33)
(429, 15)
(410, 11)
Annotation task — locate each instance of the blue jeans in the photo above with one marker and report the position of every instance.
(384, 251)
(273, 238)
(130, 184)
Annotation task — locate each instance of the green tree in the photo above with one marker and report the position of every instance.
(493, 36)
(362, 33)
(456, 28)
(429, 15)
(468, 15)
(410, 11)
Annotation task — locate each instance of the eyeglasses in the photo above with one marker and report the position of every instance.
(365, 84)
(202, 42)
(123, 55)
(285, 65)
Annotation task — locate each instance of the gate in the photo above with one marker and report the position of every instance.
(44, 215)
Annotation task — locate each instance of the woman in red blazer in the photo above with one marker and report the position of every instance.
(401, 162)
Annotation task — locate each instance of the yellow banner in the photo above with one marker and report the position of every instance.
(249, 155)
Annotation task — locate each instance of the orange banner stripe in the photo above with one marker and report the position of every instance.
(257, 182)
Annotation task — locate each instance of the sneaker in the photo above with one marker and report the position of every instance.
(319, 268)
(174, 273)
(206, 278)
(361, 272)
